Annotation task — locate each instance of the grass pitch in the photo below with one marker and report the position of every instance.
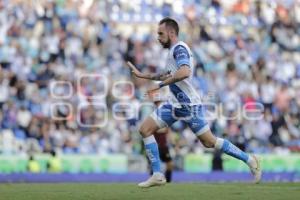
(187, 191)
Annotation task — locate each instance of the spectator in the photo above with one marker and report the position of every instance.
(54, 164)
(33, 165)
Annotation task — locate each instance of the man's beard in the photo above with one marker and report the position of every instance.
(167, 44)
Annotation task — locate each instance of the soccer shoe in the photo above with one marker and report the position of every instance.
(255, 169)
(157, 179)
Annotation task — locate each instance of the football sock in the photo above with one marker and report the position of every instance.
(232, 150)
(152, 153)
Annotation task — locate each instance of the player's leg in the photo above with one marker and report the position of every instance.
(160, 118)
(201, 128)
(166, 158)
(210, 141)
(146, 130)
(169, 170)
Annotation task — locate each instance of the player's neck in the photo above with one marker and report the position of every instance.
(173, 42)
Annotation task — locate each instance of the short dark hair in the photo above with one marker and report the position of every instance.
(170, 23)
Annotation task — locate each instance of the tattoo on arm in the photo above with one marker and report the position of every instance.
(161, 76)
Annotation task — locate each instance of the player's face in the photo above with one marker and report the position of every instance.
(163, 36)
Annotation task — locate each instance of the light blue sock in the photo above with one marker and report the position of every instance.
(232, 150)
(152, 153)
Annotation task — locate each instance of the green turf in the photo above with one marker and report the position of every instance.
(225, 191)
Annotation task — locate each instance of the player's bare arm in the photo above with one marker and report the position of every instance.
(182, 73)
(156, 77)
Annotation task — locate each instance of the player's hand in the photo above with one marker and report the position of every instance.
(134, 70)
(151, 92)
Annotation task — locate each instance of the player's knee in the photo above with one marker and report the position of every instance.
(142, 130)
(208, 139)
(145, 130)
(208, 144)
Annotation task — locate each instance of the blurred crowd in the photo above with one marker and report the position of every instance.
(60, 62)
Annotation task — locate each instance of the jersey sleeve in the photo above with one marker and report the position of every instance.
(181, 56)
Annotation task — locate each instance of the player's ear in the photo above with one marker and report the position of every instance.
(172, 32)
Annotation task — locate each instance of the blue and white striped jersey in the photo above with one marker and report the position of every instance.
(182, 92)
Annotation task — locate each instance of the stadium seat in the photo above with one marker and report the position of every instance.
(20, 134)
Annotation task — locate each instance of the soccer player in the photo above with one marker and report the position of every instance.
(184, 104)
